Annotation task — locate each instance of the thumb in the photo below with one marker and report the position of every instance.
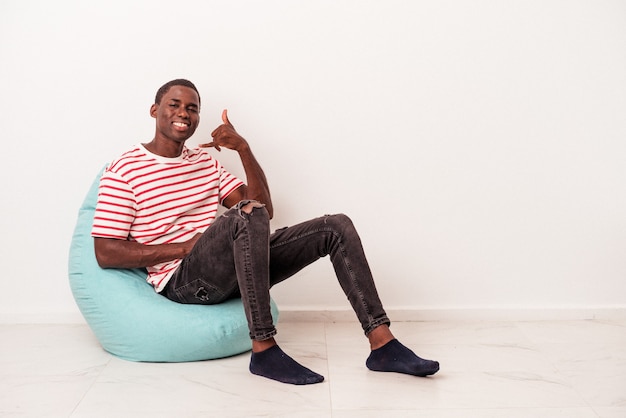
(225, 117)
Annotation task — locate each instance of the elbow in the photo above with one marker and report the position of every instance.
(102, 257)
(102, 260)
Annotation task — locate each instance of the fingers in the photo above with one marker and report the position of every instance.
(209, 145)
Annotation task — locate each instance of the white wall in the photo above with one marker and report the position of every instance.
(479, 146)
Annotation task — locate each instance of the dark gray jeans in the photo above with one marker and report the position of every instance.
(238, 257)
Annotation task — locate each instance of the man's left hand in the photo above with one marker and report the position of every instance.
(226, 136)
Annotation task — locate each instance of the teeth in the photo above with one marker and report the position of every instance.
(182, 125)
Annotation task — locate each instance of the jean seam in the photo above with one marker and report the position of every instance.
(252, 300)
(355, 282)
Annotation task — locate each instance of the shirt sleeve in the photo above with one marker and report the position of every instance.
(115, 209)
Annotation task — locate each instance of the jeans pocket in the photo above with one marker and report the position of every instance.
(199, 292)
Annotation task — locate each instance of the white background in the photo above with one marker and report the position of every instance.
(479, 146)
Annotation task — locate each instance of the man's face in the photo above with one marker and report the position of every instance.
(178, 114)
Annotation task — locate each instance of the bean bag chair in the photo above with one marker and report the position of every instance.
(133, 322)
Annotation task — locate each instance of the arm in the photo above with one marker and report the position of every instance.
(118, 253)
(257, 187)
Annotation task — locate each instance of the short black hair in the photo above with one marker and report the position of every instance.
(178, 82)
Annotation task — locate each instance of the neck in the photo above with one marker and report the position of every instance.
(169, 149)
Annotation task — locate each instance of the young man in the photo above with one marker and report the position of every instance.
(157, 209)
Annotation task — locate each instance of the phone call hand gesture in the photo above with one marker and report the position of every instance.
(226, 136)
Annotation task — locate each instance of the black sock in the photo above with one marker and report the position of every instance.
(274, 364)
(395, 357)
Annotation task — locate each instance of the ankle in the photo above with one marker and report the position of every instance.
(380, 336)
(258, 346)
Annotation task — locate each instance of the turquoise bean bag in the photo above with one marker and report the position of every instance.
(133, 322)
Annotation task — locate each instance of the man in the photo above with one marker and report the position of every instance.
(157, 209)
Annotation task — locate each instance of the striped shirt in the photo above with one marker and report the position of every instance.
(152, 200)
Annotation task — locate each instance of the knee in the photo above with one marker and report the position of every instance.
(252, 205)
(255, 212)
(248, 210)
(340, 222)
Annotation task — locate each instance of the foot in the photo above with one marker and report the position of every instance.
(395, 357)
(274, 364)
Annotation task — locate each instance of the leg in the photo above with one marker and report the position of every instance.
(293, 248)
(231, 259)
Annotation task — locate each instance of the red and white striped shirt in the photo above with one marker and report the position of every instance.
(151, 199)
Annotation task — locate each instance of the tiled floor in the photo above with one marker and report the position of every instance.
(569, 369)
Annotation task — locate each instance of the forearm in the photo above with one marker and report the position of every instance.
(115, 253)
(257, 185)
(257, 188)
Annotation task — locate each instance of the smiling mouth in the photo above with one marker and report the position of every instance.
(180, 124)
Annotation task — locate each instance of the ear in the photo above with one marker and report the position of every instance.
(153, 110)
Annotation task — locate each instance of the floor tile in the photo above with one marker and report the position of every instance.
(356, 388)
(611, 412)
(575, 332)
(459, 332)
(574, 369)
(217, 385)
(49, 349)
(47, 370)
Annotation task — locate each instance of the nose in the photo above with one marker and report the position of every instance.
(182, 112)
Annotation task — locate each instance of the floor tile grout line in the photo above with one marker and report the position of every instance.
(93, 382)
(330, 379)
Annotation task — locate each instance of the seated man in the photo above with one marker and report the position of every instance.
(157, 208)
